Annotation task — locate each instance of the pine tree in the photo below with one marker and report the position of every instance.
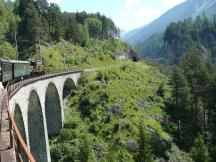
(73, 32)
(55, 21)
(199, 152)
(81, 16)
(94, 27)
(7, 51)
(85, 151)
(3, 23)
(30, 27)
(84, 36)
(211, 100)
(196, 74)
(145, 151)
(42, 8)
(181, 97)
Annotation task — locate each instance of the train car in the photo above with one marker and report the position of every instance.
(6, 71)
(13, 70)
(37, 68)
(20, 68)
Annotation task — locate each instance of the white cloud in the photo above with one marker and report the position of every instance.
(137, 13)
(145, 11)
(167, 4)
(125, 22)
(54, 1)
(150, 10)
(129, 6)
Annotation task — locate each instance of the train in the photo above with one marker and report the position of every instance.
(14, 70)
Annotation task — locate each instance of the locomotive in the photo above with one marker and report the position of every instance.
(13, 70)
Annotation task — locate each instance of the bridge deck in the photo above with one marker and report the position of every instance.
(7, 153)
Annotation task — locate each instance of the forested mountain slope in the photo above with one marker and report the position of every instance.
(178, 37)
(29, 24)
(200, 33)
(189, 8)
(192, 105)
(7, 25)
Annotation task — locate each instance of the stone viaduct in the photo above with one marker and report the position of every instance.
(38, 110)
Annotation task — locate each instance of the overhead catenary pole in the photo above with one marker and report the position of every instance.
(40, 50)
(64, 55)
(17, 54)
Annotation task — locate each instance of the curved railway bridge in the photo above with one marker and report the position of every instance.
(30, 112)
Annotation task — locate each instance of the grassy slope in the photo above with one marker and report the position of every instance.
(97, 53)
(107, 108)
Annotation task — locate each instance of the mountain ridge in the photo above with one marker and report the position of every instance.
(189, 8)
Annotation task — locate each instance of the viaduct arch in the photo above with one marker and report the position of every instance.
(18, 117)
(37, 139)
(68, 87)
(38, 111)
(53, 110)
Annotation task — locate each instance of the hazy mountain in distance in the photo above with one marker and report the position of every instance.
(123, 33)
(189, 8)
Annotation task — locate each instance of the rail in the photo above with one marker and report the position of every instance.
(13, 88)
(16, 139)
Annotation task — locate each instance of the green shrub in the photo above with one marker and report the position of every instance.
(83, 80)
(199, 152)
(7, 51)
(161, 90)
(103, 75)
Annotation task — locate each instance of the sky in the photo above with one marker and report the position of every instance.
(127, 14)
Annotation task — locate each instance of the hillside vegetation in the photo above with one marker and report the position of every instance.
(29, 24)
(133, 112)
(178, 37)
(201, 33)
(8, 21)
(117, 114)
(192, 106)
(65, 55)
